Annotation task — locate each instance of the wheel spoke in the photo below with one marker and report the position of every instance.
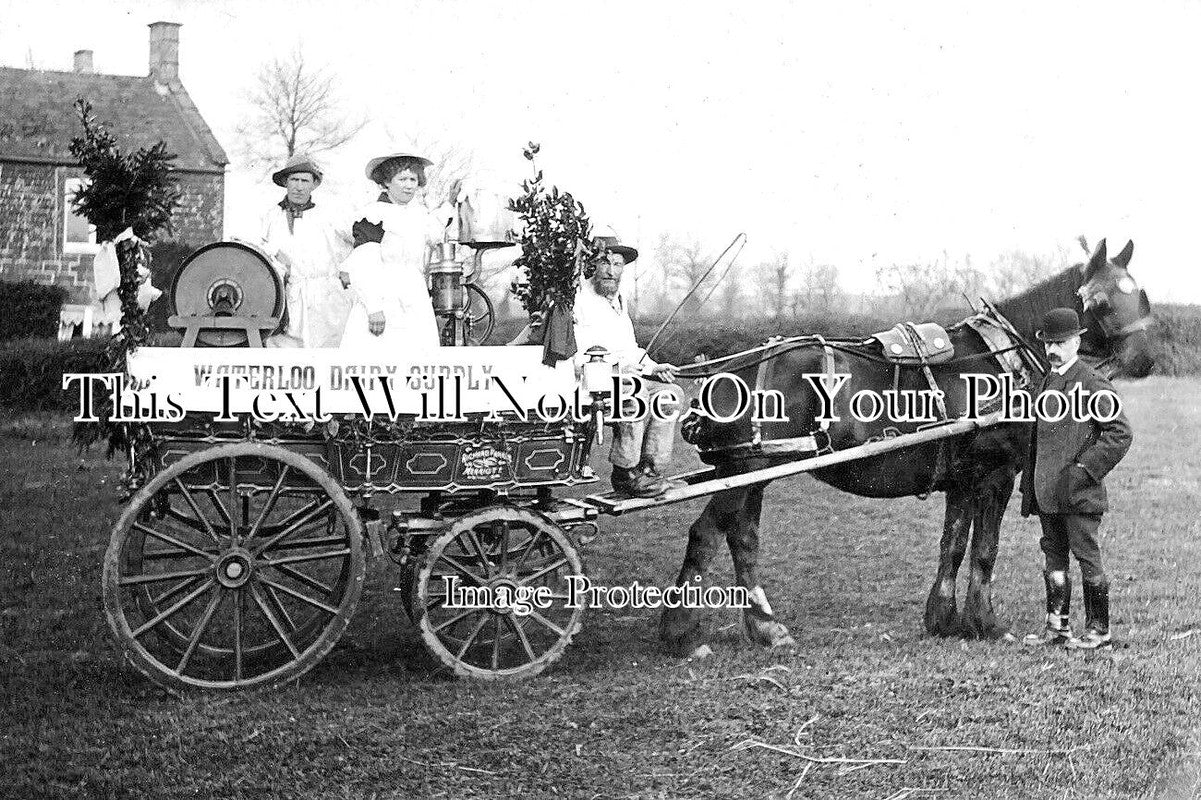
(504, 543)
(167, 555)
(175, 608)
(233, 501)
(297, 544)
(307, 580)
(305, 520)
(180, 587)
(269, 503)
(278, 605)
(460, 568)
(191, 501)
(279, 630)
(171, 540)
(222, 511)
(199, 632)
(547, 623)
(239, 600)
(275, 562)
(479, 549)
(496, 642)
(518, 629)
(479, 626)
(138, 580)
(304, 598)
(456, 619)
(550, 568)
(528, 548)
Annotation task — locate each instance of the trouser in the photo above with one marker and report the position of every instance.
(1076, 533)
(649, 439)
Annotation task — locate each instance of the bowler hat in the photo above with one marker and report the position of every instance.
(378, 161)
(297, 163)
(1059, 325)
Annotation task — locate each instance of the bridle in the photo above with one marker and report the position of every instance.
(1099, 311)
(1095, 301)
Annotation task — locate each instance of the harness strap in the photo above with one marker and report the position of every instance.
(828, 361)
(760, 382)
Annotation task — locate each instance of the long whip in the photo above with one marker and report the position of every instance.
(693, 290)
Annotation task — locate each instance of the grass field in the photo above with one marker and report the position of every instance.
(616, 718)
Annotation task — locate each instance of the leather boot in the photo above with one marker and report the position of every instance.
(1096, 616)
(637, 482)
(1058, 629)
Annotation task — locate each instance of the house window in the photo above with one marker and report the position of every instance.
(79, 236)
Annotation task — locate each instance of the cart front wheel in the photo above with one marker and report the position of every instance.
(237, 567)
(492, 597)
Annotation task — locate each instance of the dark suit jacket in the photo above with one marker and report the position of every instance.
(1051, 481)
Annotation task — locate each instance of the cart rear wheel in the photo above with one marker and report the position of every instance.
(480, 315)
(236, 567)
(508, 555)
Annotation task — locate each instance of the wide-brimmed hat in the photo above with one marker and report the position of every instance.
(608, 237)
(1059, 325)
(378, 161)
(297, 163)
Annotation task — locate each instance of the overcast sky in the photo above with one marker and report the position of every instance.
(853, 133)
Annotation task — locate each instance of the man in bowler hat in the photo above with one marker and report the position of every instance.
(1063, 482)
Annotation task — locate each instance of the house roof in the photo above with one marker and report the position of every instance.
(39, 117)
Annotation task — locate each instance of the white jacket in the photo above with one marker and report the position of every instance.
(309, 257)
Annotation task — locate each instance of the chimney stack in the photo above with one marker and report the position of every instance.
(83, 61)
(164, 51)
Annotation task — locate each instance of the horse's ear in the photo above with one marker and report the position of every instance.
(1122, 259)
(1098, 260)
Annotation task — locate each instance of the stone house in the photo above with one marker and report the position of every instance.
(41, 238)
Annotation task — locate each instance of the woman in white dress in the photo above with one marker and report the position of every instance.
(308, 240)
(386, 269)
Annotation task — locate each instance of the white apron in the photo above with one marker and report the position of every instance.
(389, 277)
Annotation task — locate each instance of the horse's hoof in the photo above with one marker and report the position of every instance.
(767, 634)
(942, 617)
(783, 641)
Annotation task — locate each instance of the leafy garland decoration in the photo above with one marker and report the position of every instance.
(556, 242)
(136, 191)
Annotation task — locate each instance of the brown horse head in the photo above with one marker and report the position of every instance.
(1117, 314)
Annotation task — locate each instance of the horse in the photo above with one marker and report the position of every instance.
(976, 470)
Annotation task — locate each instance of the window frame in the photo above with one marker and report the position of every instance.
(90, 247)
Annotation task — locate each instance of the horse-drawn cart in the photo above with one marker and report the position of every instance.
(242, 556)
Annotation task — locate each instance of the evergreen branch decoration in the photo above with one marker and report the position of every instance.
(135, 191)
(556, 241)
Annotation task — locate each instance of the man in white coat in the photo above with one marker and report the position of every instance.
(308, 242)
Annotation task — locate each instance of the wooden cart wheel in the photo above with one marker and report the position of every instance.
(236, 567)
(505, 551)
(480, 315)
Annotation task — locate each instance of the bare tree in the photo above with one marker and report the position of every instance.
(919, 288)
(819, 289)
(731, 293)
(683, 268)
(296, 109)
(1015, 270)
(924, 288)
(774, 278)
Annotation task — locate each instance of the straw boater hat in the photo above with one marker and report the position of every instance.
(297, 163)
(379, 161)
(1059, 325)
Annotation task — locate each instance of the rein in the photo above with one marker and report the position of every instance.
(709, 368)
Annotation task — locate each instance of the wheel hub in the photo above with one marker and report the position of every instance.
(503, 592)
(234, 568)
